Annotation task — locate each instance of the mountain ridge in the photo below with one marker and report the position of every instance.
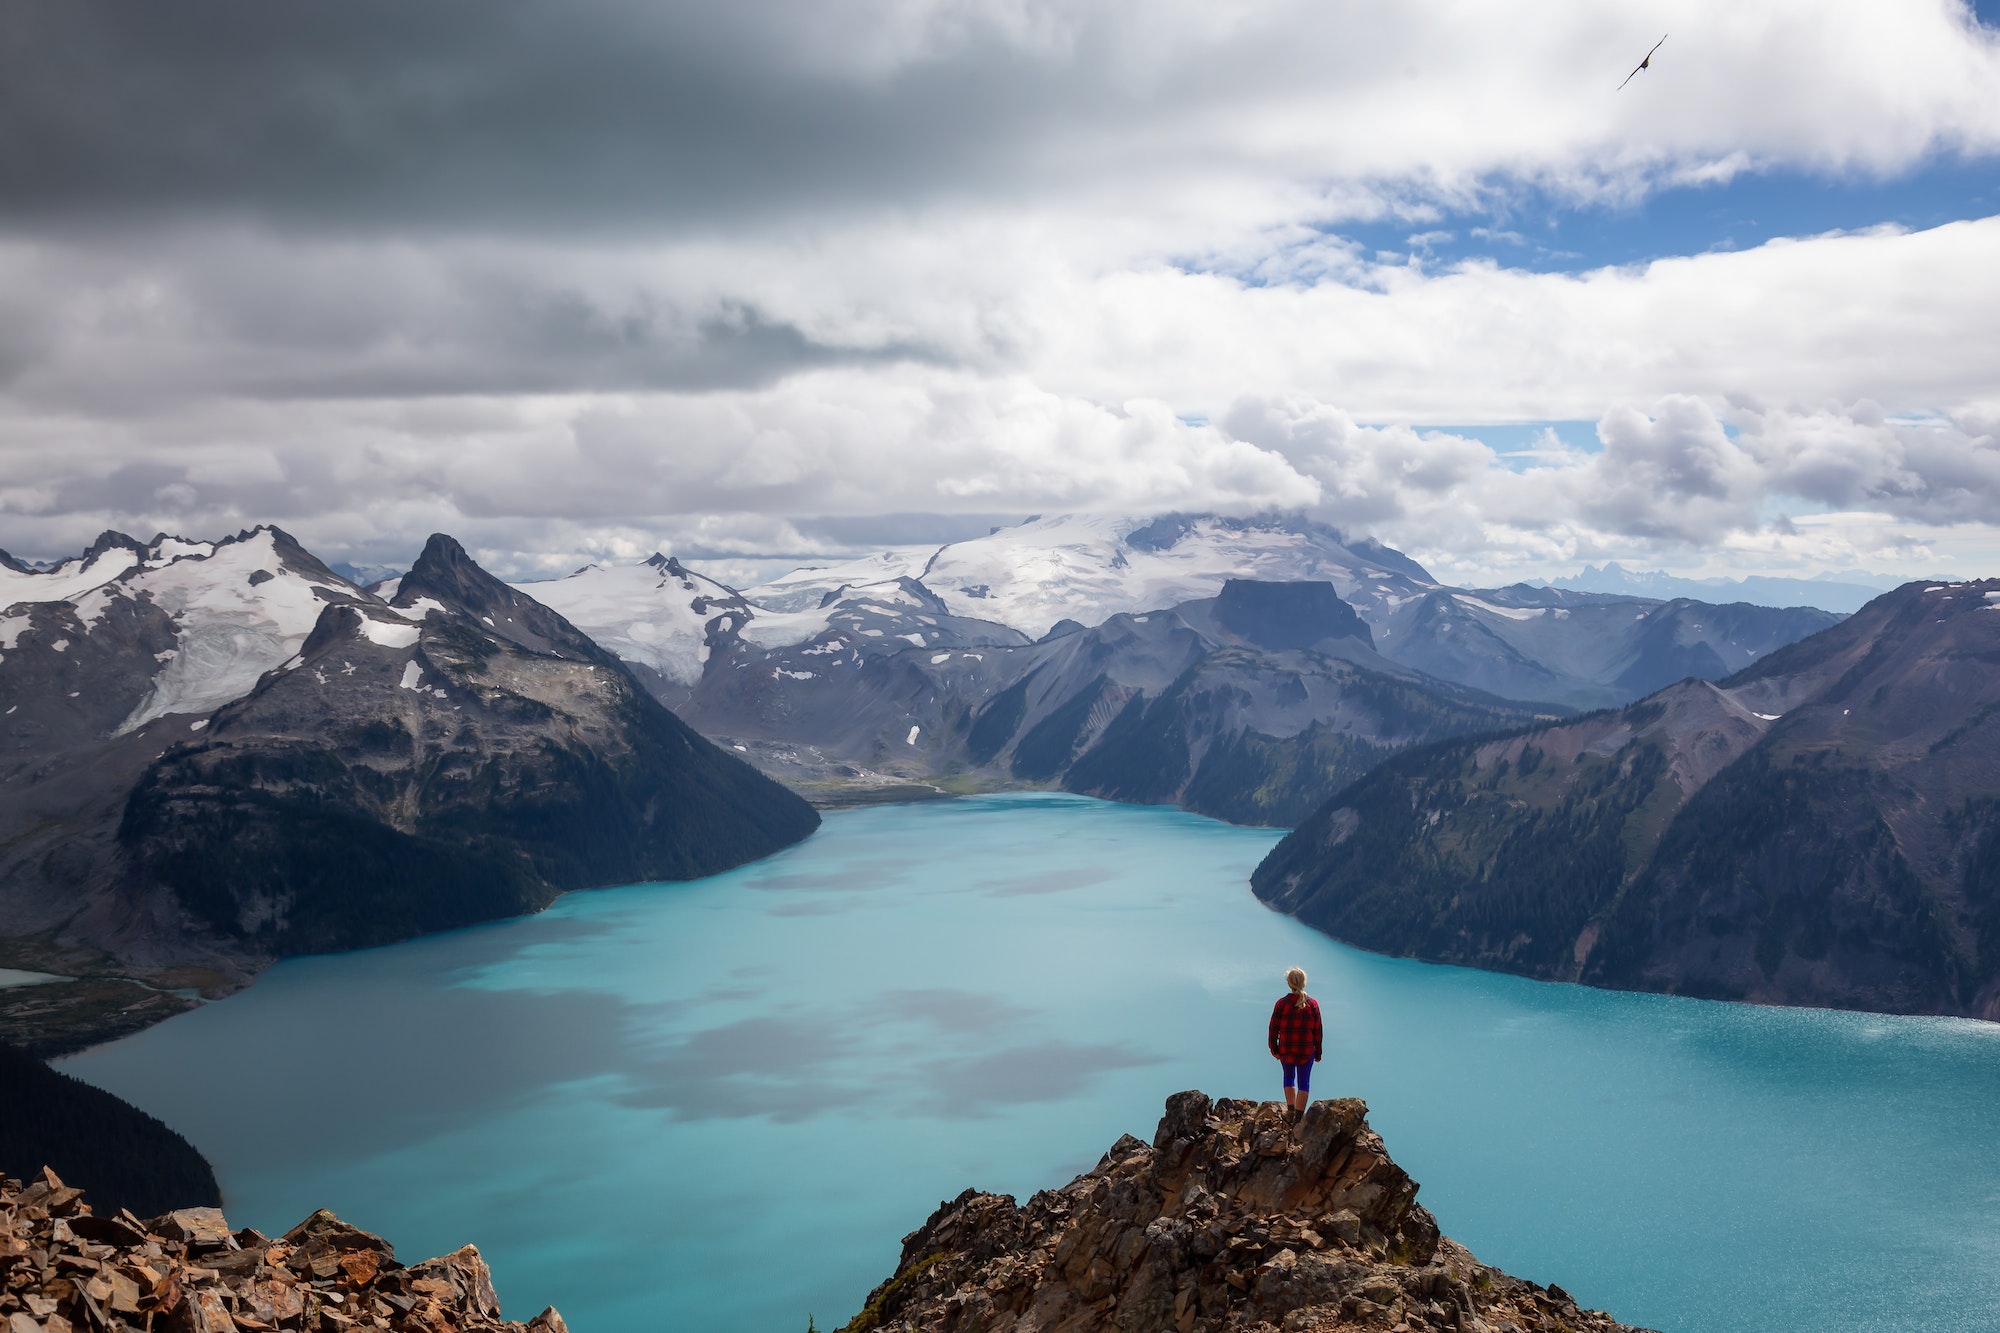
(1169, 706)
(258, 759)
(1812, 830)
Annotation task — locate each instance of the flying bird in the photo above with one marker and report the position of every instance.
(1647, 63)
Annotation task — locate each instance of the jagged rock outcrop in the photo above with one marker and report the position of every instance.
(64, 1269)
(1230, 1219)
(460, 755)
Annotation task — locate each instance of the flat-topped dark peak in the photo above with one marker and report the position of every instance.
(1277, 616)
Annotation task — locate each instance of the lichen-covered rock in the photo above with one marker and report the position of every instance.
(65, 1270)
(1230, 1219)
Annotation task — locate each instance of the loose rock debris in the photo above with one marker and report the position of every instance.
(64, 1269)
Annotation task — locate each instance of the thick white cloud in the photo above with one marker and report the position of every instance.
(989, 257)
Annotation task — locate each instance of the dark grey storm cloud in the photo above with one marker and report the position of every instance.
(496, 113)
(578, 279)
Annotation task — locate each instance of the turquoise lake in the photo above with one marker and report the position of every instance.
(720, 1105)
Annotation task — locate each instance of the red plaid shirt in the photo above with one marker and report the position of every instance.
(1295, 1031)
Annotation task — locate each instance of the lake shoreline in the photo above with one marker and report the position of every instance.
(806, 1053)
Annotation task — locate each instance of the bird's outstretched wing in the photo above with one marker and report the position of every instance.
(1647, 63)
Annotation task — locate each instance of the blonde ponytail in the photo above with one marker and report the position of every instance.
(1296, 979)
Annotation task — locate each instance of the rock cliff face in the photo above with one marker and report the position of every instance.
(64, 1269)
(1822, 828)
(1230, 1219)
(460, 755)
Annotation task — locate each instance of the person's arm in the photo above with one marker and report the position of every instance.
(1319, 1034)
(1271, 1035)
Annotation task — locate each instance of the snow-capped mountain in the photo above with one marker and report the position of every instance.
(1047, 575)
(657, 615)
(807, 588)
(668, 620)
(1089, 567)
(235, 609)
(212, 753)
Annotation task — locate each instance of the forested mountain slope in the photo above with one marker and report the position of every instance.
(1821, 828)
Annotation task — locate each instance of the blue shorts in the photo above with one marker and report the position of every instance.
(1299, 1076)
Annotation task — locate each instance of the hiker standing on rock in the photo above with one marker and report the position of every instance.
(1295, 1040)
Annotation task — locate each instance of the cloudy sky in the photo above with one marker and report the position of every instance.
(775, 278)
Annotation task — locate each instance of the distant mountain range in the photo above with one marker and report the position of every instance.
(1086, 568)
(1526, 643)
(224, 752)
(1821, 828)
(218, 753)
(1251, 705)
(1840, 594)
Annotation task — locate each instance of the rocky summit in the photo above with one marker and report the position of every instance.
(64, 1269)
(1232, 1219)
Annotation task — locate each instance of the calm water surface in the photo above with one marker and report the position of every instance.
(720, 1105)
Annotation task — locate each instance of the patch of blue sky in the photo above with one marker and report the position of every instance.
(1523, 444)
(1780, 509)
(1543, 231)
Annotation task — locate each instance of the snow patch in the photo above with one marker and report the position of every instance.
(911, 739)
(1084, 567)
(198, 724)
(422, 607)
(940, 657)
(412, 673)
(169, 549)
(791, 675)
(10, 630)
(804, 589)
(67, 581)
(1768, 717)
(60, 645)
(230, 631)
(1510, 612)
(389, 636)
(646, 615)
(916, 639)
